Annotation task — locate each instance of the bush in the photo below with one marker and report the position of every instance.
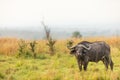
(22, 48)
(32, 48)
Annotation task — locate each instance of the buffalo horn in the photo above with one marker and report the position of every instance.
(88, 48)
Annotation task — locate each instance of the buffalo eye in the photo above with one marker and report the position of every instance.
(84, 51)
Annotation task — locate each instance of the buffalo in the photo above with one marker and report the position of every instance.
(86, 52)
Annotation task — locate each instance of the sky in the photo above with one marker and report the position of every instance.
(26, 13)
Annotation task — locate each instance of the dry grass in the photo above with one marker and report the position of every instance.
(9, 46)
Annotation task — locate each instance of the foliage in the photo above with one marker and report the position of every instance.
(32, 48)
(51, 44)
(22, 48)
(70, 43)
(27, 49)
(76, 34)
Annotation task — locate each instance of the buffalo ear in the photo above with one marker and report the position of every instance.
(73, 51)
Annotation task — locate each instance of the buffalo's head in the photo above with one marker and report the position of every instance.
(79, 50)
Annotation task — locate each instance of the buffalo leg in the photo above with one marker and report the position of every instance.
(85, 66)
(111, 64)
(105, 63)
(80, 65)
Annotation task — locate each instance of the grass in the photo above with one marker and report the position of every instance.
(58, 67)
(61, 66)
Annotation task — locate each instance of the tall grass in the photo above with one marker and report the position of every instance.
(61, 66)
(9, 46)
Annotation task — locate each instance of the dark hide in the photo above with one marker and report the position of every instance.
(98, 51)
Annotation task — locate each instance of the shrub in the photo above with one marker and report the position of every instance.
(22, 47)
(32, 48)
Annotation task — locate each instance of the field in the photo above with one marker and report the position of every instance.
(61, 66)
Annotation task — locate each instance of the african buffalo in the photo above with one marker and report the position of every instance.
(86, 52)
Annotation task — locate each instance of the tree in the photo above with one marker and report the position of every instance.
(76, 34)
(50, 41)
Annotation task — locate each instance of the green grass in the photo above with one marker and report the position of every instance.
(58, 67)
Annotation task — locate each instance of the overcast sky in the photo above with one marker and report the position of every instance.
(14, 13)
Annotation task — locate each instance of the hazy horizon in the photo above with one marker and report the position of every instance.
(61, 32)
(22, 18)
